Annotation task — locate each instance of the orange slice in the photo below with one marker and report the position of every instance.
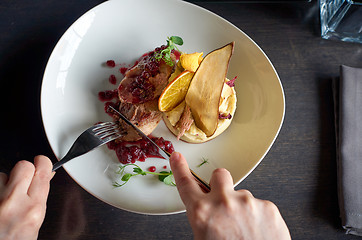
(178, 70)
(175, 91)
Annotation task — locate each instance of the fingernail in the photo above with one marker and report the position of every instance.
(175, 155)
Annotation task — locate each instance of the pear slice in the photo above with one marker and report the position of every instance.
(203, 95)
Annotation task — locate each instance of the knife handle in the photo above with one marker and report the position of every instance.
(202, 183)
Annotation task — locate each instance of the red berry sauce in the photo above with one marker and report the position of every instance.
(123, 70)
(130, 152)
(108, 95)
(177, 54)
(152, 169)
(231, 82)
(225, 116)
(112, 79)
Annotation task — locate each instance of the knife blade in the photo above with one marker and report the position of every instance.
(166, 155)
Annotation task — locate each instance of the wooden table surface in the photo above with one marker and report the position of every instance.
(298, 174)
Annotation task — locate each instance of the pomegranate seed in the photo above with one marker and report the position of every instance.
(152, 169)
(111, 63)
(112, 79)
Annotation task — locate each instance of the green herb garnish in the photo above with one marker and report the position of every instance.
(165, 54)
(204, 161)
(164, 176)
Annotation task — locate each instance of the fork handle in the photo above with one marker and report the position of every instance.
(61, 162)
(77, 149)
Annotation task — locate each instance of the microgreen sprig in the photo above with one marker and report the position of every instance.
(165, 54)
(204, 161)
(164, 176)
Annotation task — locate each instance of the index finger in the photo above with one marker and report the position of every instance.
(39, 187)
(188, 188)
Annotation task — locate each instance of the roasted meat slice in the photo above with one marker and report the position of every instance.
(144, 115)
(185, 122)
(138, 94)
(145, 81)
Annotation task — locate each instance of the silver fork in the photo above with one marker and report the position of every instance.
(91, 138)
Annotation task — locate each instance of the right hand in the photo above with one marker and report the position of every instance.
(224, 213)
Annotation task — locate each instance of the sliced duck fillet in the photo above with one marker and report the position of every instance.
(138, 94)
(145, 81)
(145, 116)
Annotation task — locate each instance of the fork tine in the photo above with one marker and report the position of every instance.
(111, 136)
(106, 125)
(107, 130)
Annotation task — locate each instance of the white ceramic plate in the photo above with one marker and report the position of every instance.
(123, 30)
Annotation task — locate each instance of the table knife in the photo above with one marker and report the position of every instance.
(203, 184)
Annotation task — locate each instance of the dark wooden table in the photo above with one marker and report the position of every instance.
(298, 174)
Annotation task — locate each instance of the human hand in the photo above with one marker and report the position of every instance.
(224, 213)
(23, 197)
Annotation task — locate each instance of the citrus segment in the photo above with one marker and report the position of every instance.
(191, 61)
(175, 92)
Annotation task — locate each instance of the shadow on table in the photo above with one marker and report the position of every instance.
(66, 216)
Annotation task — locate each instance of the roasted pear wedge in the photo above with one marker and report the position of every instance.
(203, 96)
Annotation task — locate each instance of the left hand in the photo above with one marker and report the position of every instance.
(23, 197)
